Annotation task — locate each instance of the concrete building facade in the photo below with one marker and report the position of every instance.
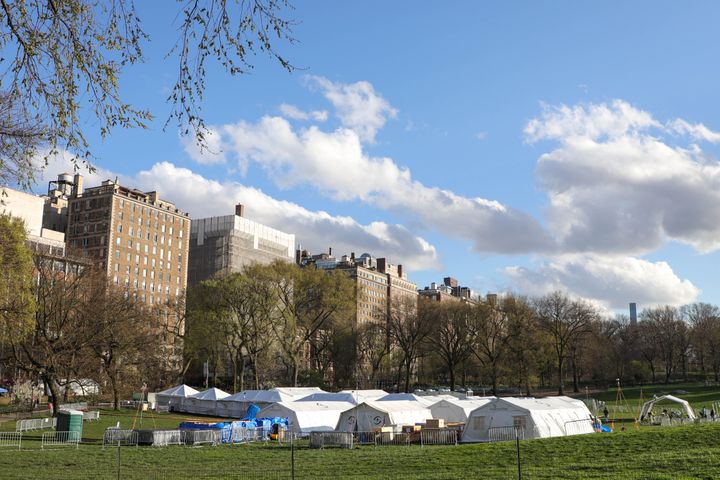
(219, 245)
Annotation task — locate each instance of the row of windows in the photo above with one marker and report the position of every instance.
(144, 286)
(153, 261)
(153, 212)
(128, 268)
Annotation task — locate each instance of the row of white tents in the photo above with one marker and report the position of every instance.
(311, 409)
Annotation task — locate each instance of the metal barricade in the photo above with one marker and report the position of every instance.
(35, 424)
(91, 416)
(505, 434)
(120, 438)
(392, 438)
(247, 435)
(160, 438)
(438, 436)
(60, 439)
(578, 427)
(11, 439)
(326, 439)
(74, 406)
(364, 438)
(201, 437)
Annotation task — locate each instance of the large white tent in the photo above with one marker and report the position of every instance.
(306, 417)
(330, 397)
(172, 397)
(371, 415)
(365, 395)
(203, 403)
(536, 417)
(236, 405)
(426, 400)
(457, 410)
(648, 406)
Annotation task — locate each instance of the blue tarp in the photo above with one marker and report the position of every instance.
(3, 390)
(252, 412)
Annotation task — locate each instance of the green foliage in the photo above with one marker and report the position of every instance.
(17, 303)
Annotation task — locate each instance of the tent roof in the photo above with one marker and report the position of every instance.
(363, 395)
(313, 406)
(179, 391)
(211, 394)
(647, 406)
(546, 403)
(396, 406)
(298, 392)
(329, 397)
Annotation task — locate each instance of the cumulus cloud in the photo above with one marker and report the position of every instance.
(316, 230)
(610, 281)
(336, 163)
(359, 107)
(293, 112)
(617, 185)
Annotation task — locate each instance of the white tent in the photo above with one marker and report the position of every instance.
(330, 397)
(236, 405)
(426, 400)
(172, 397)
(306, 417)
(535, 417)
(365, 395)
(371, 415)
(298, 392)
(457, 410)
(203, 403)
(647, 406)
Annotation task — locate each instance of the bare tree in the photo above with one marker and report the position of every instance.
(566, 321)
(452, 333)
(491, 337)
(409, 330)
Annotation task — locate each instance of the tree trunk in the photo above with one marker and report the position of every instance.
(53, 398)
(116, 394)
(242, 373)
(561, 387)
(452, 377)
(408, 367)
(576, 387)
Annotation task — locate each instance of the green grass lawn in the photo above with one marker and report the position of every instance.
(642, 453)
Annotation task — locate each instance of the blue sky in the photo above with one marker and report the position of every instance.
(517, 146)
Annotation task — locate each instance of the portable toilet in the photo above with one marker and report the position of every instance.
(70, 421)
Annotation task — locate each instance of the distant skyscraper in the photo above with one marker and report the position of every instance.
(633, 314)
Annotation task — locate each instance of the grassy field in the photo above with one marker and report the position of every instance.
(642, 453)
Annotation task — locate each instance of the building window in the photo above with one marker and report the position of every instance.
(130, 243)
(117, 241)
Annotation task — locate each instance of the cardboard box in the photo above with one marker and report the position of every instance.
(435, 423)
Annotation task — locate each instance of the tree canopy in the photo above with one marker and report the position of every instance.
(63, 62)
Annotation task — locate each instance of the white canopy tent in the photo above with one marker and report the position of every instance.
(330, 397)
(648, 406)
(172, 397)
(426, 400)
(457, 410)
(236, 405)
(306, 417)
(371, 415)
(203, 403)
(536, 417)
(365, 395)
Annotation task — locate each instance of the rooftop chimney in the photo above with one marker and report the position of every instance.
(79, 189)
(329, 251)
(240, 210)
(352, 256)
(400, 271)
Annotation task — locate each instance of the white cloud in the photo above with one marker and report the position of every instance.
(696, 131)
(316, 230)
(615, 185)
(336, 164)
(293, 112)
(209, 153)
(610, 281)
(358, 105)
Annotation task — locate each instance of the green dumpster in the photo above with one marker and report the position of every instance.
(70, 421)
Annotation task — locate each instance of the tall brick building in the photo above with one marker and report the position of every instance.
(140, 240)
